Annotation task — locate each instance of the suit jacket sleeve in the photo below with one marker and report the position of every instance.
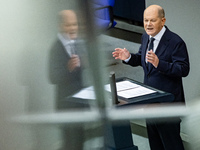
(176, 62)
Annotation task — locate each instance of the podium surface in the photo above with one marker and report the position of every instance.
(157, 96)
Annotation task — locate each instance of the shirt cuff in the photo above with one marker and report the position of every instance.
(127, 60)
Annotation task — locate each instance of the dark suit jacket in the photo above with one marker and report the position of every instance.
(173, 64)
(67, 82)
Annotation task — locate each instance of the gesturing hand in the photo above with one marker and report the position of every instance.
(152, 58)
(120, 53)
(73, 63)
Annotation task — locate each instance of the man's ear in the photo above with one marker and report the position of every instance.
(163, 21)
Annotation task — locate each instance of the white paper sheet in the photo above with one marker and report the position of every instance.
(86, 93)
(122, 85)
(135, 92)
(125, 89)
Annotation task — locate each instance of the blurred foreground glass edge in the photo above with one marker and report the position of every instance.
(29, 118)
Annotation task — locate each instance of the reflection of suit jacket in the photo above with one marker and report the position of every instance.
(173, 64)
(67, 82)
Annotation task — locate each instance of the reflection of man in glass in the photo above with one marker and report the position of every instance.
(65, 59)
(68, 36)
(66, 72)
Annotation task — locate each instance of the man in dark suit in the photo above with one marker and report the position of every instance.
(165, 61)
(65, 72)
(65, 59)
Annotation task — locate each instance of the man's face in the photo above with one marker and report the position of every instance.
(70, 27)
(152, 22)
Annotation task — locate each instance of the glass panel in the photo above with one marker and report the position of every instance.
(55, 61)
(40, 76)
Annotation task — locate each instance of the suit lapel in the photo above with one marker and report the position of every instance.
(162, 46)
(146, 41)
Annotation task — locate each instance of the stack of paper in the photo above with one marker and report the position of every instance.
(125, 89)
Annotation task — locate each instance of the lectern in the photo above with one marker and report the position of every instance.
(119, 136)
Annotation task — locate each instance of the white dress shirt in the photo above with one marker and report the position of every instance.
(67, 43)
(156, 41)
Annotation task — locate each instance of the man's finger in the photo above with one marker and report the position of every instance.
(118, 49)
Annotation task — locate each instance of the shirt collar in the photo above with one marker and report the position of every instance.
(160, 34)
(65, 39)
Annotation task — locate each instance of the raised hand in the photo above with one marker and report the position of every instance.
(120, 53)
(73, 63)
(152, 58)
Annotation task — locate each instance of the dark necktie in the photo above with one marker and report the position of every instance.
(150, 48)
(151, 44)
(72, 47)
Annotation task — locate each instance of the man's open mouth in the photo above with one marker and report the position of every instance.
(150, 29)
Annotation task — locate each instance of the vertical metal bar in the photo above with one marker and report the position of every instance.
(113, 88)
(95, 62)
(95, 59)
